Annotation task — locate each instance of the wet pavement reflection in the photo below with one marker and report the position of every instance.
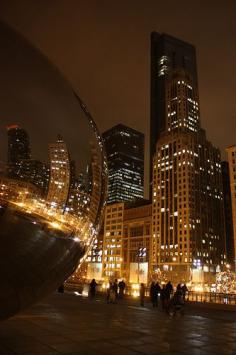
(69, 324)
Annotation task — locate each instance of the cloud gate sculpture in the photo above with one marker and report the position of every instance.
(52, 176)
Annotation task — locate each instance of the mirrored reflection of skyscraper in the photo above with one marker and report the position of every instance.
(95, 184)
(18, 148)
(35, 172)
(125, 156)
(59, 183)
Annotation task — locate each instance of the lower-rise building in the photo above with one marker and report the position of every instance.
(126, 241)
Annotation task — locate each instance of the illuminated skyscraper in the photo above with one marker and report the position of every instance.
(18, 148)
(125, 157)
(167, 54)
(232, 173)
(59, 183)
(188, 219)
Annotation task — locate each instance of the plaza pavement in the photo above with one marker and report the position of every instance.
(69, 324)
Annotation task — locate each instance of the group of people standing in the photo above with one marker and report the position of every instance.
(116, 290)
(165, 293)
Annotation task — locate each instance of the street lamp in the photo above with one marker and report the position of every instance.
(141, 253)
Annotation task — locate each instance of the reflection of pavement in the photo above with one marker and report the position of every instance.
(68, 324)
(33, 260)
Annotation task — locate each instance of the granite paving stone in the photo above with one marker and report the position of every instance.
(72, 325)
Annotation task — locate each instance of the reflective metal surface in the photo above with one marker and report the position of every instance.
(52, 176)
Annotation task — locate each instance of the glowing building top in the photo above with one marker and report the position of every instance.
(182, 105)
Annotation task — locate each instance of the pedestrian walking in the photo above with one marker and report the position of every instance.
(121, 286)
(109, 292)
(92, 288)
(169, 288)
(153, 294)
(176, 304)
(142, 294)
(168, 292)
(164, 298)
(184, 291)
(158, 288)
(115, 288)
(113, 293)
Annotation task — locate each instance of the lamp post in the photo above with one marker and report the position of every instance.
(141, 253)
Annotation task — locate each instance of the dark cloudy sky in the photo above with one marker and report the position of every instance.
(103, 47)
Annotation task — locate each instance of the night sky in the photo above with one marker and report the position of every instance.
(103, 49)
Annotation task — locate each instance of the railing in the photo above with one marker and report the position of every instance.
(212, 297)
(191, 296)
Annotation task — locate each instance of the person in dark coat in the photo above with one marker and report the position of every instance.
(184, 291)
(164, 297)
(121, 286)
(158, 288)
(153, 294)
(169, 289)
(168, 292)
(115, 288)
(92, 288)
(142, 294)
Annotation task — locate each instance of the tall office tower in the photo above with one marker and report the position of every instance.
(125, 157)
(188, 220)
(232, 173)
(59, 183)
(228, 213)
(18, 148)
(167, 54)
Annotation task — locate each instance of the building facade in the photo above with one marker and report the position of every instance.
(136, 242)
(228, 214)
(188, 221)
(231, 151)
(125, 157)
(112, 241)
(126, 242)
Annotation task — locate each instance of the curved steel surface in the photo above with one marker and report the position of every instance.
(46, 230)
(34, 260)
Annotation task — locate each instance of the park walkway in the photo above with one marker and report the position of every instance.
(70, 324)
